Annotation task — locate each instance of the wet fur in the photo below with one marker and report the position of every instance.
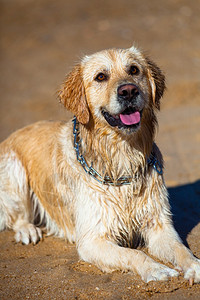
(42, 181)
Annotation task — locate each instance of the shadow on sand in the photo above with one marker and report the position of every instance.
(185, 205)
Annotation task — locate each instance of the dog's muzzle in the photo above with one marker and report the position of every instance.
(128, 96)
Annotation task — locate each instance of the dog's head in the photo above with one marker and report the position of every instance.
(115, 87)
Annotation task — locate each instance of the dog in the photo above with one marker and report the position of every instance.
(98, 179)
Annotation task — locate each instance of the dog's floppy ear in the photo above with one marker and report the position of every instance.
(157, 82)
(72, 95)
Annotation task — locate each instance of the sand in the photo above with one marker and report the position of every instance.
(40, 41)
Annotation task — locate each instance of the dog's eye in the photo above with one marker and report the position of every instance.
(101, 77)
(134, 70)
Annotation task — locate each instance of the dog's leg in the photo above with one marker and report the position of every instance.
(15, 205)
(108, 256)
(164, 243)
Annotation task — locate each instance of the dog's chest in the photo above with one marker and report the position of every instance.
(115, 212)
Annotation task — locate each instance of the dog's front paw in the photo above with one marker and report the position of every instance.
(28, 233)
(193, 272)
(159, 272)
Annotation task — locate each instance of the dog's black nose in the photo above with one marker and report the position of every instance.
(127, 92)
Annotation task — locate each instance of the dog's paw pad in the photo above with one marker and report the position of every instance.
(28, 233)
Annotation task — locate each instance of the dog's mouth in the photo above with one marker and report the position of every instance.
(130, 118)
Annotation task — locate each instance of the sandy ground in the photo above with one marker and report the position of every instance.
(40, 41)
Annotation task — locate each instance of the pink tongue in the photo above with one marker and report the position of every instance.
(131, 119)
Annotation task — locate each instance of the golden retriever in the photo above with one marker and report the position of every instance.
(98, 180)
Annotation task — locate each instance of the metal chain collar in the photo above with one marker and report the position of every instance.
(124, 180)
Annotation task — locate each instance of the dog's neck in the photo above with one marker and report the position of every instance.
(116, 154)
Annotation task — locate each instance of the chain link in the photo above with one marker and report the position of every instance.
(152, 161)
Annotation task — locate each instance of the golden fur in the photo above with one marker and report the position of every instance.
(43, 182)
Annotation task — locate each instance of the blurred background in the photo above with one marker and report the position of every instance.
(41, 41)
